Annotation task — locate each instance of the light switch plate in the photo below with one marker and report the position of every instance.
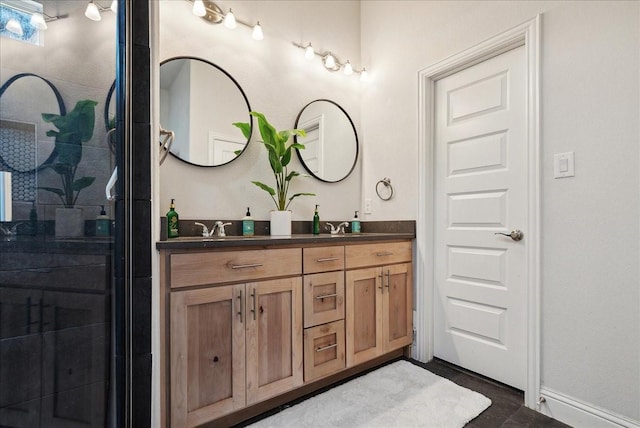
(367, 206)
(563, 165)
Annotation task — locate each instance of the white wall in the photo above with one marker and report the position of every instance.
(590, 223)
(277, 81)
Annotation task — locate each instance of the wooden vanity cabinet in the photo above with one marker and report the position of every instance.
(379, 300)
(247, 325)
(234, 345)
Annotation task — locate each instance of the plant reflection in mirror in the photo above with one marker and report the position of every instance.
(74, 128)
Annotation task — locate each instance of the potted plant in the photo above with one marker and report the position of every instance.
(279, 152)
(74, 128)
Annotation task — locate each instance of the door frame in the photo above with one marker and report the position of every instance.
(527, 35)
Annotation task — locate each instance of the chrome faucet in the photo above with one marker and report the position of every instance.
(220, 226)
(205, 230)
(337, 229)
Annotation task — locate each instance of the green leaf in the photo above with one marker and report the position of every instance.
(298, 146)
(264, 187)
(286, 158)
(58, 192)
(83, 182)
(291, 175)
(245, 127)
(267, 131)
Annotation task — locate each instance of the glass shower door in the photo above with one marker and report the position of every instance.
(56, 223)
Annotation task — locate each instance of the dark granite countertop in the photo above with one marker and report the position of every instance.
(51, 244)
(266, 240)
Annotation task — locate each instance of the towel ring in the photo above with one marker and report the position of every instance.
(388, 189)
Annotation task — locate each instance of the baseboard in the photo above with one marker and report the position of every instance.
(579, 414)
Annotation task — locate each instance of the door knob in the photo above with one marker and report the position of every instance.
(515, 234)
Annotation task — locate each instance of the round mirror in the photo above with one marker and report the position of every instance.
(25, 145)
(331, 144)
(199, 102)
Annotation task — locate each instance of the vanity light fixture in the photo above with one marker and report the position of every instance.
(199, 9)
(212, 13)
(14, 27)
(94, 9)
(331, 61)
(230, 20)
(38, 18)
(114, 6)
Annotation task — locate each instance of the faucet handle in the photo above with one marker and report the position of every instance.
(220, 225)
(205, 229)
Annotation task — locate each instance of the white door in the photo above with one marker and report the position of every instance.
(480, 306)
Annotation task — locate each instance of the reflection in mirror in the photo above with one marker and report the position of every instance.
(199, 101)
(25, 146)
(331, 144)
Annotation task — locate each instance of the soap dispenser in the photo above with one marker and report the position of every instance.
(316, 222)
(247, 224)
(355, 224)
(172, 221)
(102, 223)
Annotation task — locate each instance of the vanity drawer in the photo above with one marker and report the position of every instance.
(377, 254)
(323, 259)
(323, 295)
(324, 348)
(189, 269)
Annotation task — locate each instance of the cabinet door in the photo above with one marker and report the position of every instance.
(274, 337)
(397, 322)
(363, 315)
(207, 354)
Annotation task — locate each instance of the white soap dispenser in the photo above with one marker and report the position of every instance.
(355, 224)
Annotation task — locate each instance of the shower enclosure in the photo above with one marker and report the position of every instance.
(69, 275)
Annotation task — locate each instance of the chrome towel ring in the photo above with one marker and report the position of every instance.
(387, 190)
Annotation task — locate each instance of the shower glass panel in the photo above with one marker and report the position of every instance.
(57, 226)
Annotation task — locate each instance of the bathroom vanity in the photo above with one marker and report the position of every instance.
(252, 323)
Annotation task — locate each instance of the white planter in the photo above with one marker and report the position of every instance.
(69, 223)
(280, 223)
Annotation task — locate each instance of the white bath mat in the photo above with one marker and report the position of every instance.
(400, 394)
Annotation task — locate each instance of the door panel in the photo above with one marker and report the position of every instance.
(481, 189)
(363, 315)
(274, 337)
(397, 306)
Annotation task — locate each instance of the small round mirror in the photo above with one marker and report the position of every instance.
(331, 144)
(199, 102)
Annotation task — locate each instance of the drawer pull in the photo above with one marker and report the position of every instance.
(384, 254)
(324, 348)
(253, 265)
(327, 259)
(326, 296)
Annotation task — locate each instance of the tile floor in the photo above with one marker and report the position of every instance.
(507, 408)
(507, 404)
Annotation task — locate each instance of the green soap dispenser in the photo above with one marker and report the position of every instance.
(355, 224)
(102, 223)
(172, 221)
(248, 224)
(316, 222)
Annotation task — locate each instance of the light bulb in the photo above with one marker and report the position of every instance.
(92, 12)
(198, 8)
(364, 76)
(37, 20)
(348, 69)
(257, 33)
(230, 20)
(14, 27)
(114, 6)
(308, 52)
(329, 61)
